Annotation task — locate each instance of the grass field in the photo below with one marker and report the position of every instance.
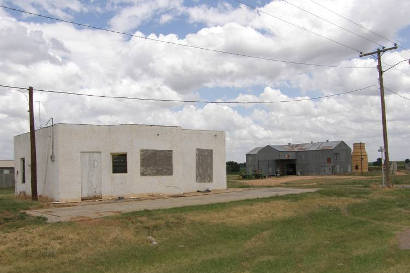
(347, 226)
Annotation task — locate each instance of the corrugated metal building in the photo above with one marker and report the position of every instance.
(6, 173)
(319, 158)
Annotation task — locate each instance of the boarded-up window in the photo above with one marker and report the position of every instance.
(23, 170)
(119, 163)
(156, 163)
(204, 165)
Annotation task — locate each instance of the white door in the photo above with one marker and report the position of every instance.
(90, 175)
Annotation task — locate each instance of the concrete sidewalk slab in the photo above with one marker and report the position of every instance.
(96, 210)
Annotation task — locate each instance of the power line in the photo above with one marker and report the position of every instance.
(358, 24)
(188, 101)
(298, 26)
(396, 93)
(183, 45)
(396, 64)
(330, 22)
(353, 22)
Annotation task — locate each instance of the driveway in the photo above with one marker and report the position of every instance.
(86, 211)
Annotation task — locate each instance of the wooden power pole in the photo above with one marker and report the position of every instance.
(379, 53)
(33, 147)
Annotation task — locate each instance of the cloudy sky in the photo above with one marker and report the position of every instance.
(54, 55)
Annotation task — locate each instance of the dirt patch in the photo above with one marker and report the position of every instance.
(401, 173)
(280, 180)
(132, 197)
(404, 239)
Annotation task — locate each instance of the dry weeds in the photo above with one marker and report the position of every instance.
(271, 181)
(68, 241)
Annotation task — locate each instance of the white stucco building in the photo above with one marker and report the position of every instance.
(76, 162)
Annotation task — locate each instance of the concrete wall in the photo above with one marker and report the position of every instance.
(47, 170)
(61, 180)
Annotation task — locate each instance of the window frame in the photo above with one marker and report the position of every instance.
(121, 171)
(23, 170)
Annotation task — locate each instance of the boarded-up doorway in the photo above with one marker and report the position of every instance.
(90, 175)
(204, 165)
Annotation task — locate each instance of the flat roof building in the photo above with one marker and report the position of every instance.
(320, 158)
(76, 162)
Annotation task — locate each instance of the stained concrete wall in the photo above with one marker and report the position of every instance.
(61, 179)
(47, 170)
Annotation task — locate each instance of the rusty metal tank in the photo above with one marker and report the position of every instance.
(359, 158)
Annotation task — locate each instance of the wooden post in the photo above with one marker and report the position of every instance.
(383, 106)
(33, 147)
(384, 122)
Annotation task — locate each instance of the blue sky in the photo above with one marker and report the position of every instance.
(100, 13)
(60, 56)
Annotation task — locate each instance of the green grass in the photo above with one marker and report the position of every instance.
(347, 226)
(11, 215)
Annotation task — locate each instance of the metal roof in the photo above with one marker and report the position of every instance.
(313, 146)
(254, 151)
(316, 146)
(6, 163)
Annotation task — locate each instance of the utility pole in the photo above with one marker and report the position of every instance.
(33, 147)
(381, 150)
(379, 53)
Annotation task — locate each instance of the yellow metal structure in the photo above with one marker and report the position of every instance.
(359, 158)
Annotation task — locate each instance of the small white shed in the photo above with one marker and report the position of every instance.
(78, 161)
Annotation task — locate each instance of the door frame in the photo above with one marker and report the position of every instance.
(98, 195)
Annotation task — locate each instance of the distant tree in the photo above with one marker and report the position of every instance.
(407, 160)
(232, 167)
(378, 162)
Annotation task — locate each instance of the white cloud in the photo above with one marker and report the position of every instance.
(222, 14)
(134, 13)
(58, 56)
(58, 8)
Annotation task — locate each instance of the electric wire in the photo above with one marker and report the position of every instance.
(189, 101)
(298, 26)
(180, 44)
(358, 24)
(330, 22)
(396, 93)
(353, 22)
(396, 64)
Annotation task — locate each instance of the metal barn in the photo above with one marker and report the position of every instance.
(319, 158)
(6, 173)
